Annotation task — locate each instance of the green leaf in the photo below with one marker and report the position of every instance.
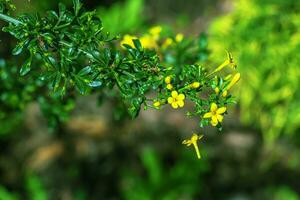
(18, 49)
(137, 44)
(85, 71)
(77, 6)
(80, 85)
(95, 84)
(26, 67)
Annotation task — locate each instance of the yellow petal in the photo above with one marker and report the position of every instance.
(179, 37)
(207, 115)
(221, 110)
(174, 105)
(186, 142)
(180, 103)
(170, 100)
(168, 80)
(181, 97)
(174, 94)
(213, 107)
(220, 118)
(156, 104)
(169, 86)
(214, 120)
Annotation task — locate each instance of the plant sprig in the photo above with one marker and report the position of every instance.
(68, 50)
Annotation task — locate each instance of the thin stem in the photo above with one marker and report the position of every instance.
(197, 150)
(10, 19)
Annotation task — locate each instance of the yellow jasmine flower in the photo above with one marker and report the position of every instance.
(179, 37)
(217, 90)
(176, 100)
(148, 42)
(168, 42)
(195, 85)
(215, 114)
(127, 39)
(168, 80)
(156, 30)
(193, 141)
(156, 104)
(234, 80)
(229, 61)
(169, 86)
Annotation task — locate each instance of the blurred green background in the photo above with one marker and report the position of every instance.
(95, 155)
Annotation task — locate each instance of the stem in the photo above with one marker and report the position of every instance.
(197, 150)
(10, 19)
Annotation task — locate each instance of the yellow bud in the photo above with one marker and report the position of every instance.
(217, 90)
(169, 86)
(179, 37)
(195, 85)
(234, 80)
(168, 42)
(225, 93)
(168, 80)
(228, 77)
(156, 104)
(156, 30)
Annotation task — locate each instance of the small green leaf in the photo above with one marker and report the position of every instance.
(18, 49)
(85, 71)
(95, 84)
(137, 44)
(80, 85)
(26, 67)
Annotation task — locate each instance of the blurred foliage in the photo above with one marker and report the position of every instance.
(35, 188)
(7, 195)
(265, 36)
(180, 181)
(123, 17)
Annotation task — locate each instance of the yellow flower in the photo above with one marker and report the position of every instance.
(148, 42)
(155, 31)
(195, 85)
(229, 61)
(169, 86)
(176, 100)
(179, 37)
(217, 90)
(193, 141)
(234, 80)
(215, 114)
(168, 42)
(225, 93)
(127, 39)
(168, 80)
(156, 104)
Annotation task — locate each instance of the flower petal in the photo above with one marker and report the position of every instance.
(213, 107)
(220, 118)
(180, 103)
(214, 120)
(221, 110)
(174, 94)
(181, 97)
(213, 123)
(174, 105)
(170, 100)
(207, 115)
